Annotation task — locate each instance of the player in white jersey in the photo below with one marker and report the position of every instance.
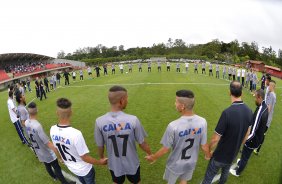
(183, 137)
(243, 76)
(71, 145)
(119, 132)
(186, 66)
(121, 68)
(89, 70)
(239, 74)
(168, 66)
(43, 147)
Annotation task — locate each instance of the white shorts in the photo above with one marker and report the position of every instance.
(172, 177)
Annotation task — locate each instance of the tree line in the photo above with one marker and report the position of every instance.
(232, 52)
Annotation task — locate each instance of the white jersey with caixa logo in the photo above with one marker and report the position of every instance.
(71, 145)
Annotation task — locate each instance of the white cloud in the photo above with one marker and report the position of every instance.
(46, 27)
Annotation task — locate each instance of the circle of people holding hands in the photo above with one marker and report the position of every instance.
(237, 128)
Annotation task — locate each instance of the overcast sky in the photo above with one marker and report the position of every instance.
(46, 27)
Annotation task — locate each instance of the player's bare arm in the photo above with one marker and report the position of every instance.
(154, 157)
(206, 150)
(145, 147)
(213, 142)
(101, 151)
(87, 158)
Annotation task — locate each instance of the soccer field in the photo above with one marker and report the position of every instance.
(151, 99)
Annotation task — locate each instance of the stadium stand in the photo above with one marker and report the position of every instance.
(3, 75)
(20, 66)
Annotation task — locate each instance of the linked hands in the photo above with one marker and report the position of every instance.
(150, 158)
(103, 161)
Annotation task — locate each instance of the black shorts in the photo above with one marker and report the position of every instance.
(132, 178)
(203, 69)
(210, 70)
(89, 73)
(73, 77)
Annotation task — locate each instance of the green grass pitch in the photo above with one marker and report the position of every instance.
(151, 98)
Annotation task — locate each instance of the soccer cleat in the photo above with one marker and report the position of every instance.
(256, 152)
(234, 172)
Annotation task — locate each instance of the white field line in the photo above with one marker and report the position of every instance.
(30, 102)
(147, 83)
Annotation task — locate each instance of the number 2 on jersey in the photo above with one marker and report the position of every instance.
(124, 145)
(183, 155)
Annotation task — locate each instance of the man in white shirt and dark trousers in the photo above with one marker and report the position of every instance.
(243, 76)
(15, 118)
(71, 145)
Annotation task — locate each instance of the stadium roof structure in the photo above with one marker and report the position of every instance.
(23, 57)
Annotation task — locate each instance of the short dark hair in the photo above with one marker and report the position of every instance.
(11, 93)
(185, 93)
(236, 89)
(117, 88)
(18, 98)
(64, 103)
(260, 93)
(268, 77)
(31, 105)
(12, 88)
